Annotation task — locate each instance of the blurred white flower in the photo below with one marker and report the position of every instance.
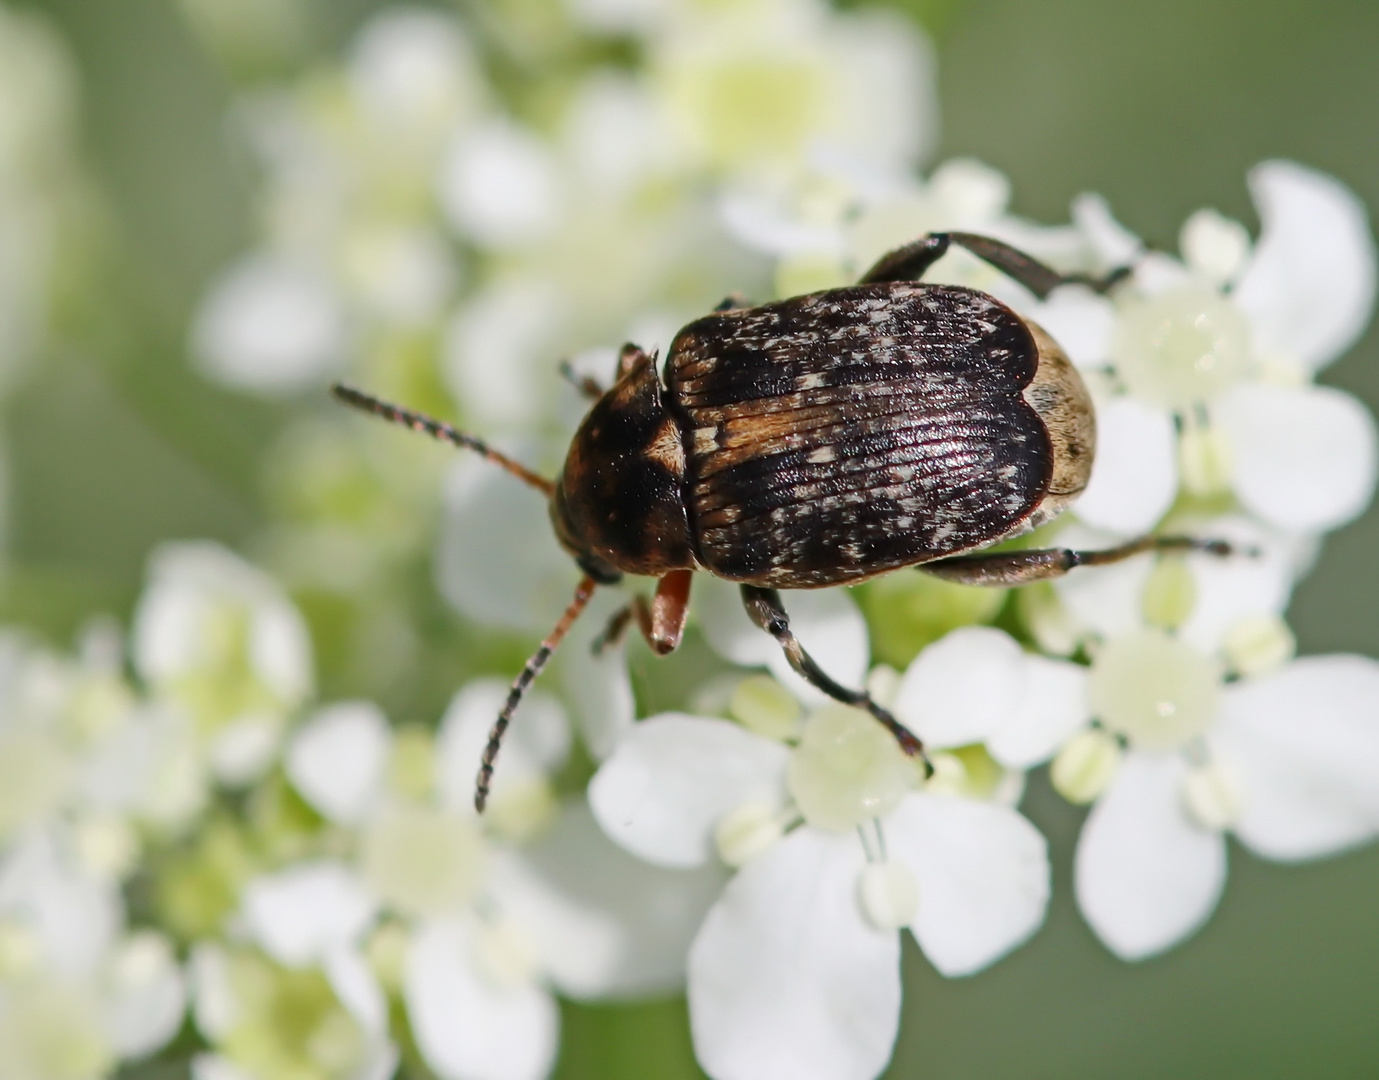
(803, 940)
(757, 89)
(271, 324)
(476, 926)
(413, 73)
(78, 992)
(499, 185)
(266, 1021)
(81, 754)
(218, 639)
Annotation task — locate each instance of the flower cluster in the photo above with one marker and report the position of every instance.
(1162, 690)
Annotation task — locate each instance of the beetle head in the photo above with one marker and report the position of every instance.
(619, 506)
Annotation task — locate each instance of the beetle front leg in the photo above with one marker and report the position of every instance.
(587, 385)
(909, 263)
(662, 622)
(764, 607)
(1042, 564)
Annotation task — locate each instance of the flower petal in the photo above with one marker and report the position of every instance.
(1256, 580)
(1053, 705)
(1304, 457)
(272, 324)
(298, 914)
(673, 777)
(1105, 599)
(336, 760)
(983, 873)
(1113, 244)
(147, 996)
(466, 1027)
(1135, 475)
(597, 688)
(1305, 743)
(537, 743)
(1081, 321)
(605, 923)
(826, 622)
(357, 988)
(960, 689)
(1146, 875)
(787, 979)
(1309, 289)
(73, 915)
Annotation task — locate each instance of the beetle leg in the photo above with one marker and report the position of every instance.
(629, 356)
(1041, 564)
(764, 607)
(617, 626)
(585, 384)
(911, 261)
(662, 622)
(732, 302)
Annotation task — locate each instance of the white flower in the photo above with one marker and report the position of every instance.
(760, 87)
(476, 928)
(499, 185)
(795, 971)
(78, 992)
(1223, 346)
(217, 639)
(272, 323)
(1285, 754)
(264, 1021)
(413, 74)
(79, 752)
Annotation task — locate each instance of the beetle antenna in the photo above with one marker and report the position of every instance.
(583, 591)
(438, 430)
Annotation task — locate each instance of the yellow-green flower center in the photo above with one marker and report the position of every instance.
(422, 861)
(847, 769)
(1155, 690)
(1181, 347)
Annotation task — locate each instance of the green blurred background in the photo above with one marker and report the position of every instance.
(1162, 106)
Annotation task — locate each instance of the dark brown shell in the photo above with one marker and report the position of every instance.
(839, 435)
(621, 496)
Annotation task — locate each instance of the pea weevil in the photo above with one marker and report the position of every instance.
(820, 441)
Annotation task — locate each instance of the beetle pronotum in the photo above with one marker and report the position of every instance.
(818, 441)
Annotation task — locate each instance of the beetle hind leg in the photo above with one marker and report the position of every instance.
(909, 263)
(764, 607)
(1004, 568)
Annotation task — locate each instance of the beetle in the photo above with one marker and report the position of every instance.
(818, 441)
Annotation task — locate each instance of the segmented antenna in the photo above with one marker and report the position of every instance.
(583, 591)
(438, 430)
